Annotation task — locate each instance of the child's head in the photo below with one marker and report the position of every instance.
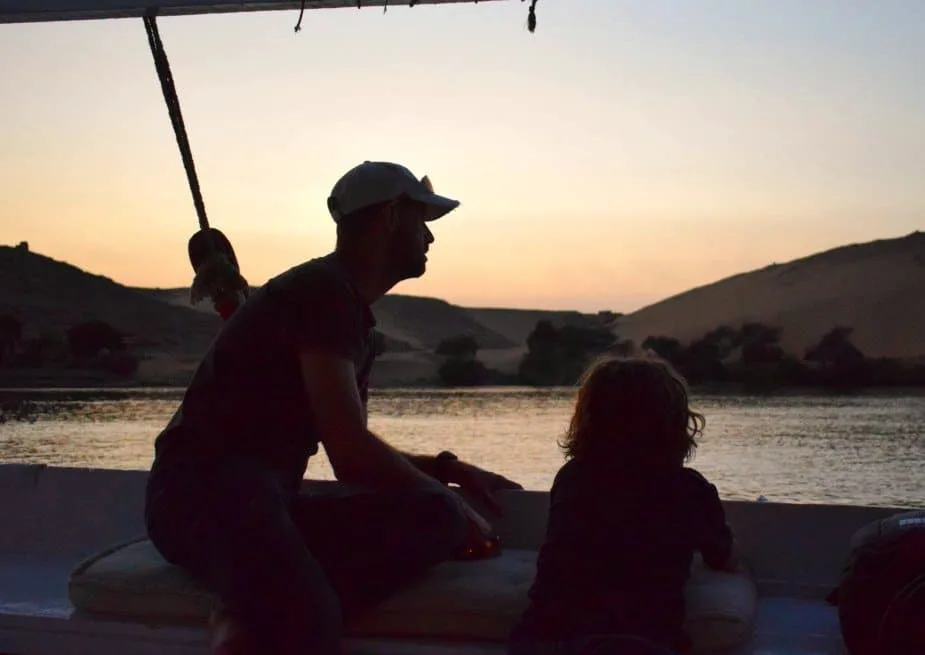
(634, 411)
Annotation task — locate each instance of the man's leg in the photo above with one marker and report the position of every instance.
(371, 545)
(230, 528)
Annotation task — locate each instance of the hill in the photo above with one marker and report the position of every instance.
(420, 323)
(49, 296)
(875, 288)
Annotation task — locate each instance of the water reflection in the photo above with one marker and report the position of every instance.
(867, 449)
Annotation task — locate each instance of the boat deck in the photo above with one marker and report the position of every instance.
(36, 618)
(54, 517)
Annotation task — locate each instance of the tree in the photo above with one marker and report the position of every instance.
(667, 348)
(462, 372)
(461, 367)
(557, 356)
(760, 344)
(89, 338)
(10, 336)
(722, 341)
(464, 346)
(841, 363)
(835, 349)
(47, 348)
(702, 360)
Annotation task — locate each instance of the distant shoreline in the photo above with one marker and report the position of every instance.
(76, 381)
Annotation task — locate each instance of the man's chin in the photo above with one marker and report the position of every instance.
(413, 271)
(419, 267)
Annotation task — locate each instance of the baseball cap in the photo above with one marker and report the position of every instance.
(374, 182)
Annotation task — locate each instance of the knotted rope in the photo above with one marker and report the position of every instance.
(217, 274)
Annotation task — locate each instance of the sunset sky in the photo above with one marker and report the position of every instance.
(624, 152)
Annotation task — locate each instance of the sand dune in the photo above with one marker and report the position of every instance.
(425, 322)
(877, 288)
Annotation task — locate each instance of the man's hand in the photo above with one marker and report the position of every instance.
(482, 541)
(481, 484)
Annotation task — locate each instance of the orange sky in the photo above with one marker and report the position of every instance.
(623, 153)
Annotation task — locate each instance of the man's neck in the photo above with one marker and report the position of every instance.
(366, 274)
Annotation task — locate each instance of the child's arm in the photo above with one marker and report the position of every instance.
(717, 542)
(560, 501)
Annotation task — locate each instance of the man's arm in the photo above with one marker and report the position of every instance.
(476, 482)
(356, 454)
(439, 467)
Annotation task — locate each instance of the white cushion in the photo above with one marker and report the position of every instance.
(477, 600)
(720, 608)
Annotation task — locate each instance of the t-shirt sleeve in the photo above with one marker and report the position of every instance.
(565, 506)
(321, 312)
(716, 535)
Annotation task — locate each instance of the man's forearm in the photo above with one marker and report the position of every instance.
(441, 467)
(382, 467)
(424, 463)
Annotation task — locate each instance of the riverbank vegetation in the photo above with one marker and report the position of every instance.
(748, 357)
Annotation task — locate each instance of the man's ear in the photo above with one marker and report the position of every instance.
(391, 217)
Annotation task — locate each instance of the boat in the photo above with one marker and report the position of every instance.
(77, 575)
(61, 523)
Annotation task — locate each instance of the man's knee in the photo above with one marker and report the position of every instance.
(285, 607)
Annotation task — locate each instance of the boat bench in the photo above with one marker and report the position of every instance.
(458, 600)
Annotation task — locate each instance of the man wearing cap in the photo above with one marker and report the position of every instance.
(289, 371)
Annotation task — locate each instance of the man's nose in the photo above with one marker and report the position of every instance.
(428, 235)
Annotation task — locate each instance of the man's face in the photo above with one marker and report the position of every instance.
(410, 239)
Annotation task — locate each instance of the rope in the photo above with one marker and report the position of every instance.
(217, 274)
(176, 117)
(298, 26)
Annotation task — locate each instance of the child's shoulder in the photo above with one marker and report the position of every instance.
(575, 476)
(697, 480)
(694, 475)
(569, 471)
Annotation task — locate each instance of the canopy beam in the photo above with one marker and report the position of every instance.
(30, 11)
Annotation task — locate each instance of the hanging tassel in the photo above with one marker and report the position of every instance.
(531, 17)
(217, 274)
(298, 25)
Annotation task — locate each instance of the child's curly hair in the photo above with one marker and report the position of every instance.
(633, 410)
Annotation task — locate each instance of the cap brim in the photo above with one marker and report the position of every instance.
(437, 205)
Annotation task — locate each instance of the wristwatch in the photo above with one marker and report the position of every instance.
(442, 464)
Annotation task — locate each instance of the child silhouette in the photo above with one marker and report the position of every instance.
(626, 517)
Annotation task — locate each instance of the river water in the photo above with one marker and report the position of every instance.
(847, 449)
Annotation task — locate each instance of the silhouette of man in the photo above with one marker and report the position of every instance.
(289, 371)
